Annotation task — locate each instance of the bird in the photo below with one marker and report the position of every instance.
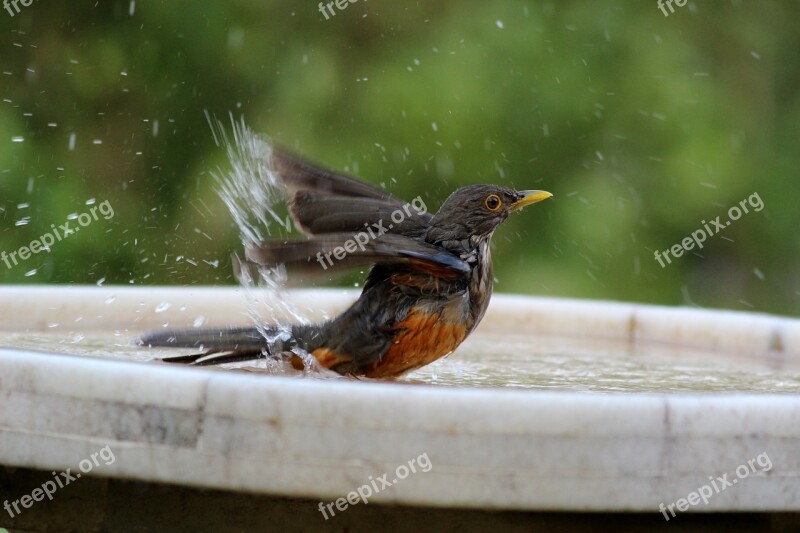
(428, 287)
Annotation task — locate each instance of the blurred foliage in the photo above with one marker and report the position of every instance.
(641, 125)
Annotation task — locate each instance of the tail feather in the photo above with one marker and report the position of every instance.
(210, 339)
(218, 346)
(214, 357)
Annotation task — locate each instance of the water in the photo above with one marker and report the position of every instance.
(251, 190)
(592, 366)
(488, 361)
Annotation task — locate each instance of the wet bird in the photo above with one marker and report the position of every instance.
(428, 288)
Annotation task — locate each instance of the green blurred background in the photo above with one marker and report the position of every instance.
(641, 125)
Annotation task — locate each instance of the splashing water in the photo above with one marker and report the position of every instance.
(251, 189)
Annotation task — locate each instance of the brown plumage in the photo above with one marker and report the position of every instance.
(427, 290)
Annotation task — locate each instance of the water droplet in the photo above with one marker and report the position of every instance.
(111, 299)
(163, 306)
(199, 321)
(30, 273)
(17, 139)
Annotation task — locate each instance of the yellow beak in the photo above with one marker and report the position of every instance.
(531, 197)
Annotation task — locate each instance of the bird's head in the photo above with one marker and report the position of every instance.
(477, 210)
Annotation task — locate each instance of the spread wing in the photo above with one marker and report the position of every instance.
(322, 201)
(350, 223)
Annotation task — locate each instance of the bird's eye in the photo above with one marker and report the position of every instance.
(493, 202)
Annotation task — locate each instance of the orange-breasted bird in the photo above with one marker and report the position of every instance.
(428, 288)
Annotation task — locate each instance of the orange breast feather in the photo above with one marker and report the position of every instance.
(421, 339)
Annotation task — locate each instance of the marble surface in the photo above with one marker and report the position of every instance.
(488, 448)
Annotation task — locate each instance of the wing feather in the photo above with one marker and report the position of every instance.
(322, 201)
(318, 252)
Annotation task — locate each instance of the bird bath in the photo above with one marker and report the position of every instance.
(552, 405)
